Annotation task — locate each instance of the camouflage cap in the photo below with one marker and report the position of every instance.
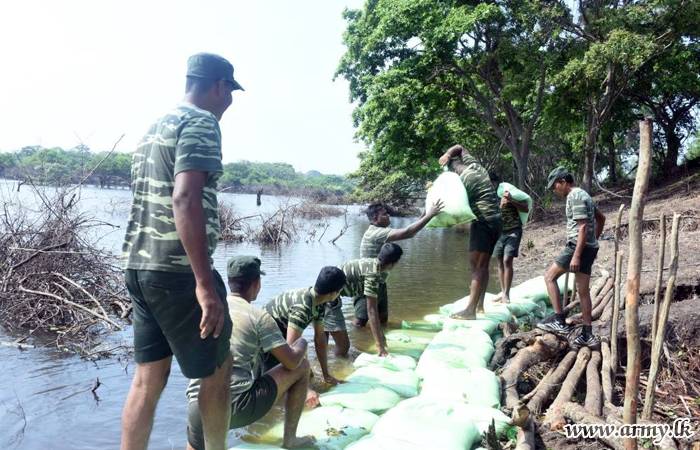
(209, 65)
(556, 174)
(246, 267)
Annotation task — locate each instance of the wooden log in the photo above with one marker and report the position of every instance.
(529, 395)
(594, 391)
(634, 269)
(618, 222)
(663, 320)
(598, 310)
(555, 417)
(659, 276)
(526, 436)
(616, 314)
(576, 413)
(553, 382)
(544, 348)
(606, 375)
(595, 302)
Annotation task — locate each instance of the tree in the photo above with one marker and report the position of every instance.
(613, 41)
(429, 73)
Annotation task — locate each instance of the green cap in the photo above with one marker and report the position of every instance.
(556, 174)
(209, 65)
(246, 267)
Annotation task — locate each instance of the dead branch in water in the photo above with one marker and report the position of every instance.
(53, 278)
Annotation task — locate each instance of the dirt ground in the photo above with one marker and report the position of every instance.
(545, 236)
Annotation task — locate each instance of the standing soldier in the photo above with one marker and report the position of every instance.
(584, 224)
(179, 299)
(485, 231)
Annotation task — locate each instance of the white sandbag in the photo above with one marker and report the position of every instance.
(462, 337)
(476, 386)
(536, 289)
(254, 447)
(373, 442)
(393, 362)
(482, 416)
(517, 195)
(439, 360)
(373, 398)
(334, 427)
(521, 307)
(403, 382)
(462, 303)
(448, 188)
(486, 325)
(407, 342)
(429, 424)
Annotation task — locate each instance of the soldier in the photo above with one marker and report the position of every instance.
(254, 393)
(508, 245)
(179, 299)
(379, 233)
(485, 231)
(297, 309)
(584, 224)
(363, 277)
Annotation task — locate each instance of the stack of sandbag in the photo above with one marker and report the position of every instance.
(421, 423)
(334, 427)
(408, 342)
(403, 382)
(365, 397)
(459, 349)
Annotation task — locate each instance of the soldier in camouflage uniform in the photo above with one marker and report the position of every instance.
(254, 393)
(297, 309)
(363, 278)
(508, 245)
(379, 233)
(584, 225)
(179, 300)
(485, 231)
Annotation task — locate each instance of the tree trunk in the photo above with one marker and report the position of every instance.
(612, 159)
(553, 382)
(673, 145)
(589, 156)
(634, 269)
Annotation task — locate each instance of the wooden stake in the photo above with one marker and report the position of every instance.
(566, 289)
(617, 228)
(616, 314)
(663, 320)
(634, 269)
(659, 277)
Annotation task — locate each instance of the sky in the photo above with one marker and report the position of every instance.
(79, 71)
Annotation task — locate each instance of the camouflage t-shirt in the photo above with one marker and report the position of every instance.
(186, 138)
(362, 277)
(372, 241)
(579, 205)
(255, 331)
(483, 200)
(295, 309)
(511, 218)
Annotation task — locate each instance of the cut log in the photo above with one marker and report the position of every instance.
(595, 302)
(598, 310)
(553, 382)
(542, 382)
(663, 320)
(594, 393)
(576, 413)
(544, 348)
(555, 417)
(606, 375)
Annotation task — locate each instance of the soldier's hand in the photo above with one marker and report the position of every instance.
(444, 159)
(436, 208)
(212, 311)
(504, 202)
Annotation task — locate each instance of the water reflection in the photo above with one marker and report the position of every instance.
(53, 389)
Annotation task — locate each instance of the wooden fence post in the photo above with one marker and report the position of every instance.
(663, 320)
(634, 270)
(659, 277)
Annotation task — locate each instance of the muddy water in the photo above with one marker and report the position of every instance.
(51, 391)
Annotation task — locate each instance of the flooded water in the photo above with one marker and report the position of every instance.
(45, 395)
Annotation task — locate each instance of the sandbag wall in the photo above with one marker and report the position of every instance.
(433, 391)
